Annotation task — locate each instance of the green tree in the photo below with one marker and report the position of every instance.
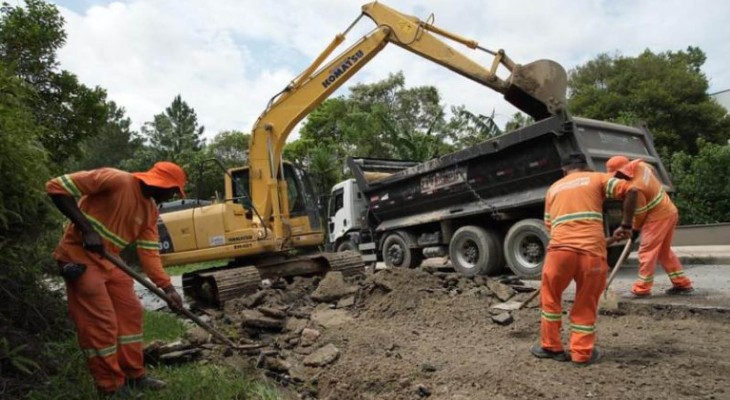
(113, 145)
(701, 183)
(467, 129)
(518, 120)
(230, 147)
(67, 110)
(175, 134)
(666, 90)
(384, 119)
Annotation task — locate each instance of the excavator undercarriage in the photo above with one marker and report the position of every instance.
(213, 287)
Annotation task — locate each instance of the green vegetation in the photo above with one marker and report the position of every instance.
(189, 381)
(185, 268)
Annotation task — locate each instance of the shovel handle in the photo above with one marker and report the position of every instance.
(529, 299)
(154, 289)
(621, 259)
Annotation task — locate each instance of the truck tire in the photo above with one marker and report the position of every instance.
(475, 251)
(525, 246)
(396, 253)
(346, 245)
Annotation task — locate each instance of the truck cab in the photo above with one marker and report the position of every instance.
(346, 207)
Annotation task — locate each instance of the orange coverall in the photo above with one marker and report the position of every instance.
(102, 302)
(657, 231)
(577, 250)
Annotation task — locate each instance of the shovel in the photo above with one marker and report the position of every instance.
(609, 300)
(154, 289)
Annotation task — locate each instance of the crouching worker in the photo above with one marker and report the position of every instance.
(577, 251)
(114, 209)
(660, 216)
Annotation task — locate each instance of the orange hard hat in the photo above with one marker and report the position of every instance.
(615, 163)
(164, 174)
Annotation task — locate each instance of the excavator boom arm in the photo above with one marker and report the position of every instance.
(537, 88)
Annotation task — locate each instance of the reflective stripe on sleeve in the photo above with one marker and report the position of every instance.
(69, 185)
(610, 187)
(148, 245)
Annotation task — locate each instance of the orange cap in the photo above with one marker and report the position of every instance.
(615, 163)
(164, 174)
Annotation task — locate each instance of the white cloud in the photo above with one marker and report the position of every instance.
(228, 57)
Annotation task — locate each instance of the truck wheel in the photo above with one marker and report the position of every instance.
(346, 245)
(475, 251)
(397, 254)
(525, 246)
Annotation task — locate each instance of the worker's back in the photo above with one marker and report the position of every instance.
(574, 211)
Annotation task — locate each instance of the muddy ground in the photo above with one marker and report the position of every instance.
(411, 334)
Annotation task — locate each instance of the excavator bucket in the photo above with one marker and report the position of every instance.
(538, 88)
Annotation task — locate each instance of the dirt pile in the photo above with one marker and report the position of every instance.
(429, 333)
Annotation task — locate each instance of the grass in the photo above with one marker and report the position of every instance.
(185, 268)
(188, 381)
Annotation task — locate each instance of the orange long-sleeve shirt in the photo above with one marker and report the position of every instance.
(658, 204)
(112, 201)
(574, 211)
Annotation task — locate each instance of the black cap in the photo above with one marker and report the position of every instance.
(573, 158)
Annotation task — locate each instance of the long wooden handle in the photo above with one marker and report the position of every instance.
(529, 299)
(621, 259)
(154, 289)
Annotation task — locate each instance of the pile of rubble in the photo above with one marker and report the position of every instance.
(286, 322)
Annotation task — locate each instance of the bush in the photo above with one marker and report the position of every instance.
(701, 182)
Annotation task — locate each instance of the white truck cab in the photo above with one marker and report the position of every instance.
(346, 206)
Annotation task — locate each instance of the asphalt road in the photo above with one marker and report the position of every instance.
(712, 283)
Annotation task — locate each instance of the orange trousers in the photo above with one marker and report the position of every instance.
(656, 244)
(589, 273)
(108, 319)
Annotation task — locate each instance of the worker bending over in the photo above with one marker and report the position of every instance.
(115, 209)
(657, 231)
(577, 251)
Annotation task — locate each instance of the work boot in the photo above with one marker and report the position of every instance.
(634, 295)
(123, 392)
(678, 291)
(540, 352)
(145, 383)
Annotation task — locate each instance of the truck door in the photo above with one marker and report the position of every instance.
(338, 215)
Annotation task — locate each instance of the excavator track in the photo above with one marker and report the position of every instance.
(213, 287)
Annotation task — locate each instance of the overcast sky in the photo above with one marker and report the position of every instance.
(228, 57)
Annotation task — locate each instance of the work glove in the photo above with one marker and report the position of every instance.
(175, 301)
(93, 242)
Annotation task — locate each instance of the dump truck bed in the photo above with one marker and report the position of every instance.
(499, 175)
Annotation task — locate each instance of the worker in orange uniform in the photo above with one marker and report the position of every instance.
(657, 231)
(577, 251)
(115, 209)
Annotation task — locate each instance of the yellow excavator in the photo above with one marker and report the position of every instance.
(270, 208)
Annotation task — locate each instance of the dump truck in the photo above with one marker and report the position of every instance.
(482, 206)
